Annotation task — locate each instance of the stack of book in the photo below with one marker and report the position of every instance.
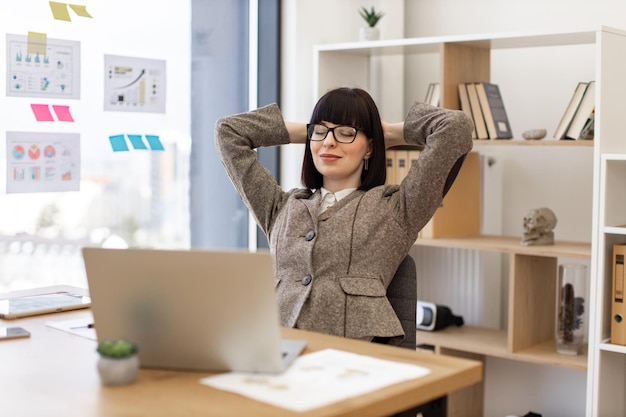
(483, 102)
(578, 120)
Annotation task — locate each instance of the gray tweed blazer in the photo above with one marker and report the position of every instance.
(332, 270)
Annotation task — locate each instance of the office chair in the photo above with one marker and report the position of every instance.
(402, 294)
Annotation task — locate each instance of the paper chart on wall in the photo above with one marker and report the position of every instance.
(134, 84)
(42, 162)
(38, 66)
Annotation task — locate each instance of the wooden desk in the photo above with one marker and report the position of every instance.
(53, 373)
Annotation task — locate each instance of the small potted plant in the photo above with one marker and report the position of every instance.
(118, 363)
(371, 17)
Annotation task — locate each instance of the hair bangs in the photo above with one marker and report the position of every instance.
(343, 107)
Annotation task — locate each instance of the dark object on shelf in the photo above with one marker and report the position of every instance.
(433, 317)
(588, 129)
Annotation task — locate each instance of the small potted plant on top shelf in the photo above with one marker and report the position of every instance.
(370, 32)
(118, 363)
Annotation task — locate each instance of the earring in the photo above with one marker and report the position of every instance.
(366, 164)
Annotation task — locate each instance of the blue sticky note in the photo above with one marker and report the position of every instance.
(118, 143)
(155, 143)
(137, 142)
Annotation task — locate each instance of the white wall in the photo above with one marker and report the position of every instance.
(531, 178)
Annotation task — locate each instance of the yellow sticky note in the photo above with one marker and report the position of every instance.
(59, 11)
(37, 43)
(80, 10)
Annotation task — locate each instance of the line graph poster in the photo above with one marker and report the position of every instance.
(38, 66)
(134, 84)
(42, 162)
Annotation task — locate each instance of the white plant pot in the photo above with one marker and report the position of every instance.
(118, 371)
(369, 34)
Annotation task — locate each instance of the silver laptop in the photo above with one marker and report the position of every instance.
(190, 309)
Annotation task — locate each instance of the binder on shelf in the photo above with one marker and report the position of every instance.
(618, 306)
(459, 213)
(494, 113)
(401, 164)
(391, 167)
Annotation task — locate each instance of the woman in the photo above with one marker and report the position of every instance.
(333, 262)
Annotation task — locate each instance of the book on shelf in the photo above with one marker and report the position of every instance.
(570, 110)
(433, 94)
(477, 114)
(583, 112)
(494, 112)
(465, 104)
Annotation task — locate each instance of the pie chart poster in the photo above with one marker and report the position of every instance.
(42, 162)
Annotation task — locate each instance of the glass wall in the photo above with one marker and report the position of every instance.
(146, 85)
(95, 127)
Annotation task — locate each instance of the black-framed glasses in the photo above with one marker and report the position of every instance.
(342, 134)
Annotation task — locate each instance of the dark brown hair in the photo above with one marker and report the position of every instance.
(353, 107)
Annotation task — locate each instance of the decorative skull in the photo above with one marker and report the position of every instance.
(538, 226)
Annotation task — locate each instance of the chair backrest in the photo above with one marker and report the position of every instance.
(402, 294)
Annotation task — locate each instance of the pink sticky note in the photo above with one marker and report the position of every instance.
(42, 112)
(63, 113)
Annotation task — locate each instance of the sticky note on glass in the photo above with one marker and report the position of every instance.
(59, 11)
(42, 112)
(118, 143)
(137, 142)
(80, 10)
(155, 143)
(37, 43)
(63, 113)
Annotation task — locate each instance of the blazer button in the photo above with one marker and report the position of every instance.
(309, 236)
(307, 280)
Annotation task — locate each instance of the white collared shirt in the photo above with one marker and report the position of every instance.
(328, 198)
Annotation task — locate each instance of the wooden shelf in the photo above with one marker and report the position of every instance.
(493, 343)
(509, 244)
(531, 296)
(541, 142)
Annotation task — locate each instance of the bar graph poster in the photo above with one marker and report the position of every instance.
(134, 84)
(38, 66)
(42, 162)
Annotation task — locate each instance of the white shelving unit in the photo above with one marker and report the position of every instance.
(528, 337)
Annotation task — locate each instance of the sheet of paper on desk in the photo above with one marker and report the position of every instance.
(79, 327)
(318, 379)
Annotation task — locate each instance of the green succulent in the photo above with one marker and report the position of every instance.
(371, 16)
(116, 348)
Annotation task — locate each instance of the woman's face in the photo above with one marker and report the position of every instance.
(340, 163)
